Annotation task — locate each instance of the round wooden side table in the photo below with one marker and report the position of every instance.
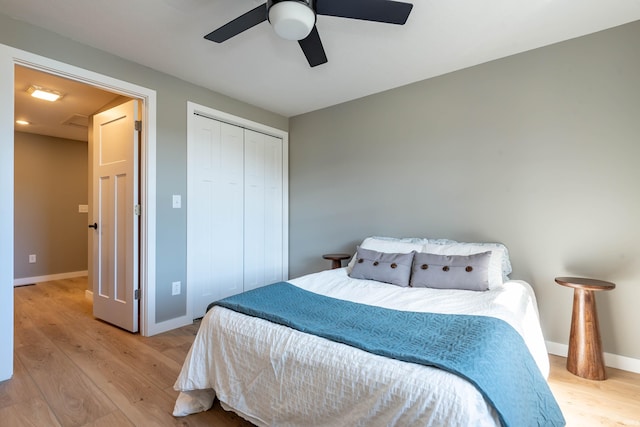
(585, 357)
(336, 259)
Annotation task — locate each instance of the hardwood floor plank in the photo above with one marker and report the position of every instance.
(113, 419)
(21, 389)
(181, 337)
(131, 349)
(29, 413)
(615, 401)
(178, 353)
(72, 396)
(155, 366)
(108, 357)
(133, 394)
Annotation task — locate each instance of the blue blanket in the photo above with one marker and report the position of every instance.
(486, 351)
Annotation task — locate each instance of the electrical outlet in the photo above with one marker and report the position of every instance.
(32, 259)
(175, 288)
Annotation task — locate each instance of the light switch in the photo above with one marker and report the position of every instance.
(177, 201)
(83, 208)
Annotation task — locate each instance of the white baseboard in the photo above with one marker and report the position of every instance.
(168, 325)
(30, 280)
(611, 360)
(88, 295)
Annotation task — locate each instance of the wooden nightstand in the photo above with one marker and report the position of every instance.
(585, 357)
(336, 259)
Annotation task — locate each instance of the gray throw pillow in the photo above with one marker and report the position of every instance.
(468, 272)
(384, 267)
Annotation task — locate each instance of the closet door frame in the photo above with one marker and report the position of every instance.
(201, 110)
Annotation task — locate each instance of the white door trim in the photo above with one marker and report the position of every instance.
(9, 57)
(193, 108)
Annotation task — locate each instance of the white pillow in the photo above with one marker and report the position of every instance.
(499, 264)
(388, 245)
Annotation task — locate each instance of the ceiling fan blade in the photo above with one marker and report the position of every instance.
(391, 12)
(312, 48)
(238, 25)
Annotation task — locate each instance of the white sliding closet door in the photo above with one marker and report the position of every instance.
(263, 210)
(216, 212)
(235, 218)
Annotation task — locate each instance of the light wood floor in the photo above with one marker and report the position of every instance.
(73, 370)
(613, 402)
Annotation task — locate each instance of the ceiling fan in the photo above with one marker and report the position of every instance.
(296, 20)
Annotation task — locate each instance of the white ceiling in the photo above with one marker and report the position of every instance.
(66, 118)
(364, 57)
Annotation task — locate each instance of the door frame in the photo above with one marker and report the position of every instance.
(9, 58)
(192, 109)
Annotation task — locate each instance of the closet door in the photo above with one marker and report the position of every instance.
(215, 226)
(263, 233)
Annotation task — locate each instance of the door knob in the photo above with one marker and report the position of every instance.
(94, 225)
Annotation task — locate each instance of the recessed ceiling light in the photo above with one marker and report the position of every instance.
(42, 93)
(22, 122)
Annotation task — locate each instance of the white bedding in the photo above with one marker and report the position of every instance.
(276, 376)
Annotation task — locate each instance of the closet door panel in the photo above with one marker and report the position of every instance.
(228, 211)
(254, 237)
(215, 213)
(263, 210)
(273, 251)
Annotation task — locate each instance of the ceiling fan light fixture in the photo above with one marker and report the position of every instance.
(296, 20)
(291, 19)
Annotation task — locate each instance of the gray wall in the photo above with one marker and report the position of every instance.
(539, 151)
(50, 182)
(172, 95)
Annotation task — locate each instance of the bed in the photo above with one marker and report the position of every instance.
(273, 374)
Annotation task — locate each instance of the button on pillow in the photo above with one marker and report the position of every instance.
(384, 267)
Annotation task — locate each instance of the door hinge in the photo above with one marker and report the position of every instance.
(136, 294)
(138, 125)
(137, 210)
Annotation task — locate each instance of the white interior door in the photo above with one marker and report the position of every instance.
(215, 212)
(116, 222)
